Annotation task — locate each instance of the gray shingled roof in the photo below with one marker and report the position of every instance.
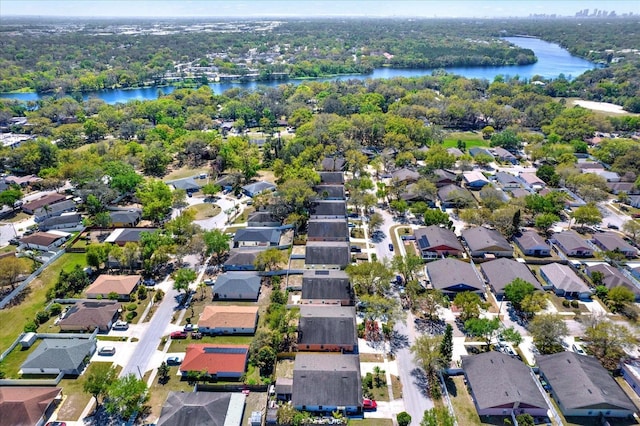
(234, 283)
(327, 253)
(435, 236)
(579, 381)
(562, 277)
(333, 178)
(332, 191)
(125, 216)
(453, 275)
(320, 285)
(67, 219)
(63, 354)
(200, 408)
(446, 192)
(570, 240)
(497, 380)
(611, 241)
(242, 257)
(262, 235)
(327, 228)
(501, 272)
(530, 240)
(329, 208)
(187, 184)
(327, 380)
(327, 325)
(258, 187)
(91, 314)
(331, 164)
(613, 277)
(483, 239)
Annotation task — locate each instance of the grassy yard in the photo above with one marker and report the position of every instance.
(16, 216)
(472, 139)
(185, 172)
(205, 210)
(371, 422)
(159, 392)
(13, 361)
(284, 368)
(75, 398)
(180, 345)
(13, 319)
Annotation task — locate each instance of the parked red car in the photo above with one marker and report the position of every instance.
(179, 335)
(369, 404)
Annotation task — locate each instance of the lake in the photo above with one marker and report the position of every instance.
(553, 60)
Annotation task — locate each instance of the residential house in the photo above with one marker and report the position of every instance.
(631, 373)
(327, 230)
(323, 383)
(589, 165)
(327, 255)
(44, 241)
(53, 210)
(413, 193)
(264, 219)
(189, 185)
(532, 244)
(532, 181)
(22, 181)
(105, 285)
(331, 178)
(64, 221)
(452, 195)
(605, 174)
(86, 316)
(608, 241)
(519, 193)
(228, 319)
(634, 201)
(331, 287)
(504, 155)
(405, 175)
(122, 236)
(327, 328)
(474, 179)
(330, 192)
(452, 276)
(28, 405)
(55, 356)
(476, 150)
(582, 387)
(257, 188)
(241, 260)
(508, 181)
(571, 244)
(46, 200)
(125, 218)
(332, 164)
(612, 277)
(501, 272)
(202, 408)
(455, 152)
(482, 242)
(501, 385)
(564, 281)
(217, 361)
(237, 286)
(284, 388)
(434, 242)
(328, 209)
(629, 187)
(443, 177)
(257, 237)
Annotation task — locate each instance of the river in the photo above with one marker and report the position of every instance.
(553, 60)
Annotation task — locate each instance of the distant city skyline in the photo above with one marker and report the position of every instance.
(308, 8)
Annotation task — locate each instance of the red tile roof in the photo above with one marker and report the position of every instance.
(215, 358)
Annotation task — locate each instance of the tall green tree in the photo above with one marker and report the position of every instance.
(446, 346)
(437, 416)
(98, 380)
(217, 243)
(608, 340)
(182, 278)
(126, 395)
(469, 304)
(517, 290)
(548, 330)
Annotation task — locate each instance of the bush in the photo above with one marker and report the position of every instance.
(566, 303)
(158, 296)
(132, 307)
(404, 418)
(575, 304)
(361, 330)
(142, 292)
(367, 381)
(131, 315)
(30, 327)
(42, 317)
(55, 309)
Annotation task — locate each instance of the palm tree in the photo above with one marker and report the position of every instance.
(202, 287)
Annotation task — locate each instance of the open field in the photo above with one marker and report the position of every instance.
(472, 139)
(13, 319)
(204, 210)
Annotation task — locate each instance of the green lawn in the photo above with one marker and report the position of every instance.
(13, 319)
(13, 361)
(205, 210)
(472, 139)
(185, 172)
(180, 345)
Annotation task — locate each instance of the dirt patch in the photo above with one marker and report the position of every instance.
(73, 406)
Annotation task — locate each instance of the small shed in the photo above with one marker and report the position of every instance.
(28, 340)
(255, 419)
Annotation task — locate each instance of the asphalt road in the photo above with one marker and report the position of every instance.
(149, 342)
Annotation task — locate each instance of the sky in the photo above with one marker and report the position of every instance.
(308, 8)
